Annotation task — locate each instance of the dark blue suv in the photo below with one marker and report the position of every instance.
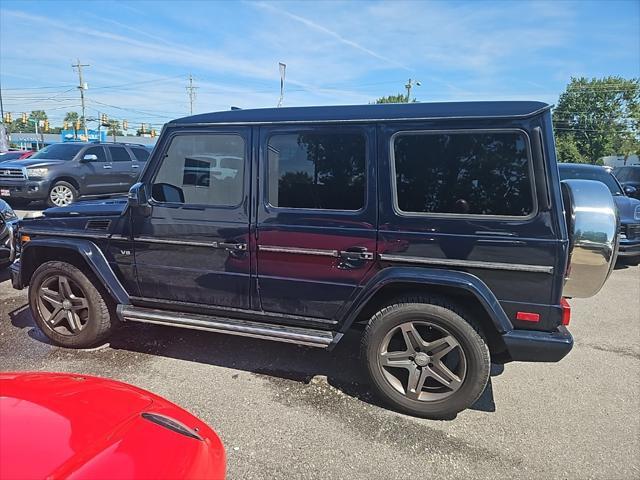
(442, 230)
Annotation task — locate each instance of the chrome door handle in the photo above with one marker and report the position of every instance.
(106, 166)
(237, 247)
(135, 166)
(357, 253)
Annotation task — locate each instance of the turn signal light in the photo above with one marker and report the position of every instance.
(25, 238)
(566, 311)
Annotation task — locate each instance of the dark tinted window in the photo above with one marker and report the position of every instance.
(585, 173)
(191, 165)
(141, 154)
(463, 173)
(316, 170)
(628, 174)
(10, 156)
(119, 154)
(59, 151)
(97, 151)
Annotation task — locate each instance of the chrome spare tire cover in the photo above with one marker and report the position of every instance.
(593, 223)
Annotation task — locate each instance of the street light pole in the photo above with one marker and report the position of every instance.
(408, 86)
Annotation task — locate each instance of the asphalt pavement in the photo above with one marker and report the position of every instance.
(289, 412)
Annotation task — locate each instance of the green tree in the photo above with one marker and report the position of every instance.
(598, 117)
(72, 119)
(399, 98)
(37, 115)
(567, 150)
(114, 128)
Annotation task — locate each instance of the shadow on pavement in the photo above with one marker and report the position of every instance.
(341, 367)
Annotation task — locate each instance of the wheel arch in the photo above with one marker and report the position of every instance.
(66, 178)
(79, 252)
(463, 288)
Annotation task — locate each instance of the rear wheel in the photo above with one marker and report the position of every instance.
(68, 307)
(62, 194)
(424, 358)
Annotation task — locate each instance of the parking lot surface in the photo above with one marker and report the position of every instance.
(285, 411)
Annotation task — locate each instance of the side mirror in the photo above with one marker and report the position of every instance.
(90, 158)
(137, 196)
(630, 190)
(167, 193)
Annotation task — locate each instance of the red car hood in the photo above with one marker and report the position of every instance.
(74, 426)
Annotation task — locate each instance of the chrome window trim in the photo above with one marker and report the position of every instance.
(447, 262)
(297, 250)
(475, 216)
(34, 231)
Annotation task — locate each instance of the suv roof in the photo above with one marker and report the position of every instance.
(395, 111)
(128, 144)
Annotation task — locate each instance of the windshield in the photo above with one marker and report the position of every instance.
(598, 174)
(628, 174)
(59, 151)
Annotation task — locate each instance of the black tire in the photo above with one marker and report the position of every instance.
(97, 319)
(435, 315)
(71, 194)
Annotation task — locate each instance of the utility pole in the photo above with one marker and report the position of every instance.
(82, 87)
(408, 86)
(191, 90)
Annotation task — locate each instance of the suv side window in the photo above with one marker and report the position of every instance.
(190, 164)
(466, 173)
(141, 154)
(317, 170)
(98, 152)
(119, 154)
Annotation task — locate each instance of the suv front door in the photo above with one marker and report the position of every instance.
(192, 246)
(316, 218)
(95, 171)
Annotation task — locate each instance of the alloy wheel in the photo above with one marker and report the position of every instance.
(61, 196)
(422, 361)
(63, 305)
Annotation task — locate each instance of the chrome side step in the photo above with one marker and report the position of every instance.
(279, 333)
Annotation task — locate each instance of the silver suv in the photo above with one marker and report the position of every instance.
(63, 172)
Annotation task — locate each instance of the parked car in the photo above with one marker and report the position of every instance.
(63, 172)
(629, 177)
(15, 155)
(628, 208)
(8, 222)
(440, 229)
(65, 425)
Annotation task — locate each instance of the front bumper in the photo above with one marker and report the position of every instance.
(536, 346)
(629, 248)
(24, 190)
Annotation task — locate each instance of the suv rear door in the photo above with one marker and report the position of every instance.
(316, 218)
(140, 157)
(121, 173)
(192, 246)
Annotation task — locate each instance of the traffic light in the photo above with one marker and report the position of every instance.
(142, 129)
(24, 118)
(65, 125)
(125, 125)
(104, 119)
(153, 133)
(77, 125)
(46, 125)
(8, 118)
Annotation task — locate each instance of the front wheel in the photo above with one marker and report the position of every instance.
(67, 306)
(62, 194)
(424, 358)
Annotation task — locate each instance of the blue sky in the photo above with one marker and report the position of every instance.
(141, 53)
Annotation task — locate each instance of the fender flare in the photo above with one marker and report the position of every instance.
(426, 277)
(90, 253)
